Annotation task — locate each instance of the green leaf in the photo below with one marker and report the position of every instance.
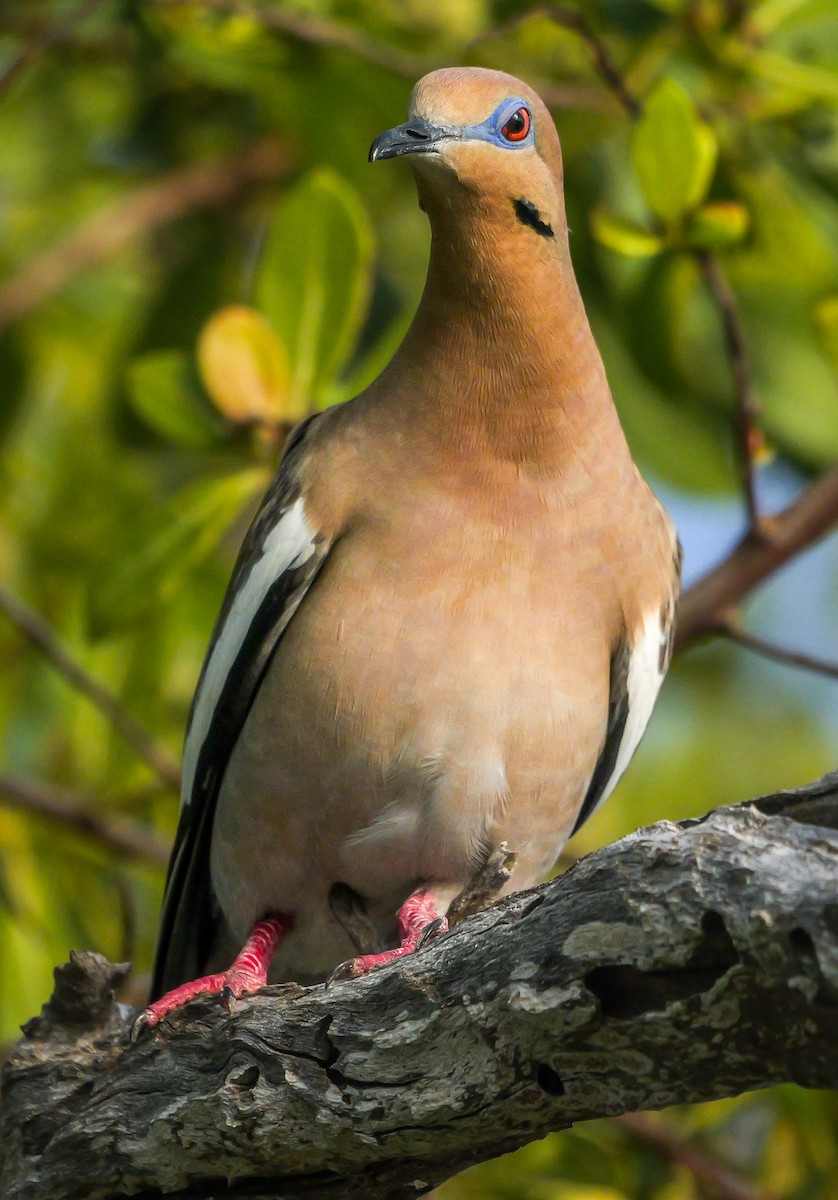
(665, 437)
(370, 364)
(811, 82)
(244, 366)
(674, 153)
(162, 392)
(796, 384)
(826, 324)
(625, 236)
(718, 226)
(188, 530)
(661, 308)
(791, 247)
(314, 281)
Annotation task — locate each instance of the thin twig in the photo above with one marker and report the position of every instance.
(711, 600)
(332, 35)
(35, 628)
(154, 204)
(768, 542)
(734, 632)
(746, 411)
(81, 816)
(746, 435)
(710, 1174)
(576, 22)
(611, 75)
(316, 31)
(39, 45)
(127, 915)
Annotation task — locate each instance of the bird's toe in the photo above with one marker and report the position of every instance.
(344, 970)
(177, 998)
(433, 929)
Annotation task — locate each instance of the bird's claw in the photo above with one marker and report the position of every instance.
(343, 971)
(223, 988)
(354, 968)
(226, 997)
(432, 930)
(140, 1025)
(248, 973)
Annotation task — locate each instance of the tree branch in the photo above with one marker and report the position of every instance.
(83, 817)
(158, 203)
(746, 409)
(577, 22)
(709, 603)
(39, 633)
(708, 1172)
(769, 542)
(316, 31)
(793, 658)
(48, 39)
(684, 963)
(332, 35)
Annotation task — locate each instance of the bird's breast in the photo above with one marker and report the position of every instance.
(440, 689)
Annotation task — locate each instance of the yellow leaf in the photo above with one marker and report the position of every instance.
(826, 324)
(244, 366)
(718, 225)
(624, 236)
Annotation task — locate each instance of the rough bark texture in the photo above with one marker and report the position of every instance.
(683, 963)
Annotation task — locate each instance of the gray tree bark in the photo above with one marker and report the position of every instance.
(685, 962)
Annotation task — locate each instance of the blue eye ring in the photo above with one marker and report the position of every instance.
(517, 126)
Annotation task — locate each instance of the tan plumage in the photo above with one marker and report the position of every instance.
(488, 561)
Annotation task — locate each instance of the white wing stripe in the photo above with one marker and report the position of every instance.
(289, 544)
(643, 685)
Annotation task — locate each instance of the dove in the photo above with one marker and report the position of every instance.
(449, 621)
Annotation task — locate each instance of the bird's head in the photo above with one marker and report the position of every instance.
(476, 133)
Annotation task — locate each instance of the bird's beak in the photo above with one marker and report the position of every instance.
(414, 137)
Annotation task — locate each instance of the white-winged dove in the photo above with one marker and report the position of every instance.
(450, 619)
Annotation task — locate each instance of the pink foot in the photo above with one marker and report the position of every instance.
(248, 973)
(419, 921)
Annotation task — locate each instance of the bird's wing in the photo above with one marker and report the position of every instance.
(637, 672)
(277, 564)
(618, 711)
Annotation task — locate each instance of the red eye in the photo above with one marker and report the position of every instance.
(518, 125)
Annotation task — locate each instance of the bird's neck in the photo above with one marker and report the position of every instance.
(500, 354)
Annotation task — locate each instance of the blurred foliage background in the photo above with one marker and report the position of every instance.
(194, 253)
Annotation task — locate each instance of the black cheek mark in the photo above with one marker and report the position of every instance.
(528, 214)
